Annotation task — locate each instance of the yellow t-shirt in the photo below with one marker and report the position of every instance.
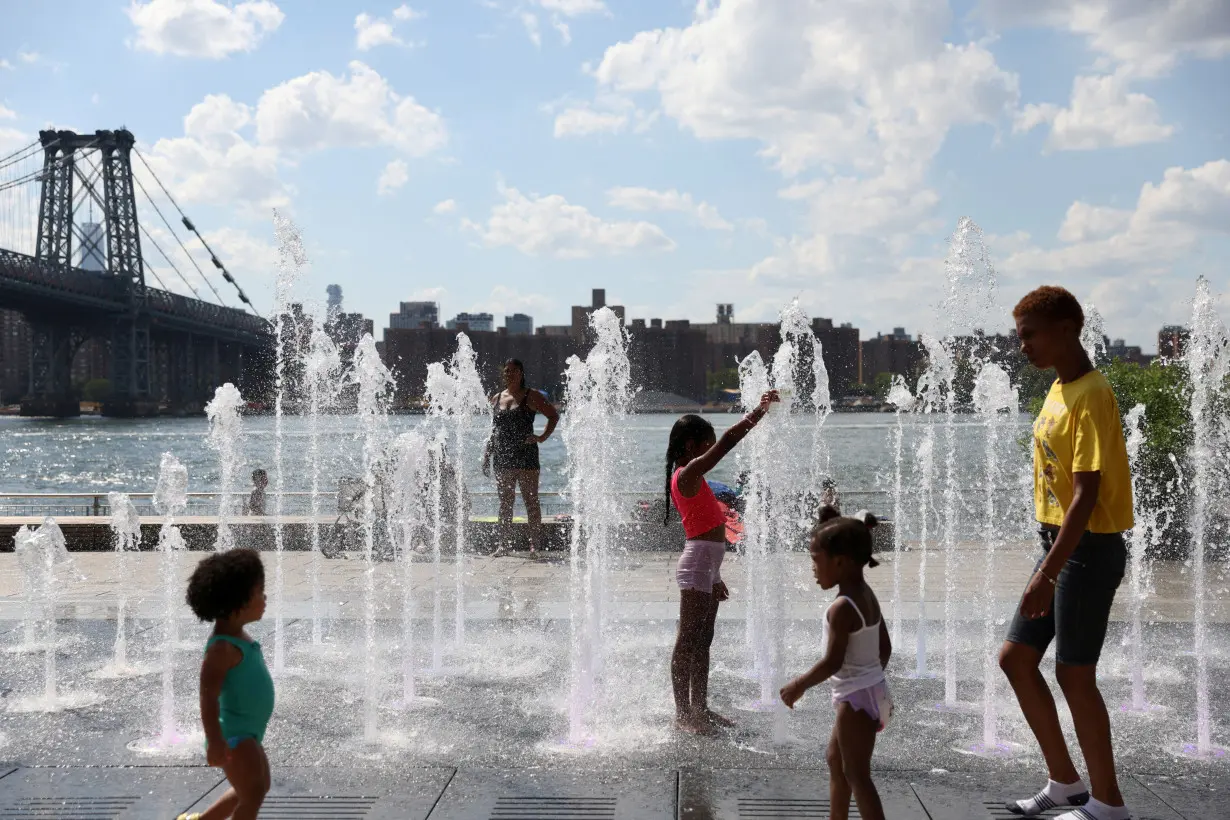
(1079, 431)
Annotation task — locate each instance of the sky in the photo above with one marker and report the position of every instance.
(510, 155)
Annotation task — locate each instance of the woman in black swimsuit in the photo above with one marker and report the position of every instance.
(513, 451)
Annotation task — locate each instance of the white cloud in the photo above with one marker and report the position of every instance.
(646, 199)
(5, 65)
(851, 83)
(243, 254)
(1143, 37)
(202, 28)
(395, 175)
(371, 32)
(582, 121)
(1126, 260)
(551, 226)
(29, 57)
(319, 110)
(1102, 113)
(405, 13)
(11, 139)
(1085, 222)
(7, 113)
(530, 21)
(214, 163)
(573, 8)
(446, 206)
(565, 33)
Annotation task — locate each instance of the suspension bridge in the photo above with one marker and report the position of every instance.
(74, 259)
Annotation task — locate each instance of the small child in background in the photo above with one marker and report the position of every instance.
(855, 658)
(228, 588)
(255, 504)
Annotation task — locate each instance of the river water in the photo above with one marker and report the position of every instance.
(97, 455)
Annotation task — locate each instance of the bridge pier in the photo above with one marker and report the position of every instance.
(52, 346)
(130, 371)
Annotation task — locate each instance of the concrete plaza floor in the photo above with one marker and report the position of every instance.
(490, 739)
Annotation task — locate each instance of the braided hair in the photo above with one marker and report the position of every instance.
(687, 429)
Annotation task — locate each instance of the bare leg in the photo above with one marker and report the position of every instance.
(528, 480)
(1080, 688)
(506, 489)
(700, 669)
(839, 787)
(693, 612)
(248, 773)
(856, 737)
(1020, 663)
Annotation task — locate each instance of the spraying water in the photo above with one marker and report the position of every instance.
(170, 499)
(413, 458)
(902, 400)
(226, 438)
(126, 529)
(934, 390)
(1144, 535)
(993, 396)
(322, 370)
(1207, 358)
(375, 385)
(456, 402)
(1093, 335)
(598, 391)
(788, 468)
(291, 261)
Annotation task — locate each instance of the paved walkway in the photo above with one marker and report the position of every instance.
(157, 793)
(642, 585)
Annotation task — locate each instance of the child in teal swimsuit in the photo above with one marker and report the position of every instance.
(228, 588)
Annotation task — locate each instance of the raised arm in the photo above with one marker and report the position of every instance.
(539, 404)
(842, 620)
(690, 476)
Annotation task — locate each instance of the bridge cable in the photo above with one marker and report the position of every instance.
(154, 242)
(25, 153)
(158, 210)
(213, 257)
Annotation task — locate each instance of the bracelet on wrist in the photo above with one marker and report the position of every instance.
(1054, 583)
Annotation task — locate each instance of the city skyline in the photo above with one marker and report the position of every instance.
(502, 157)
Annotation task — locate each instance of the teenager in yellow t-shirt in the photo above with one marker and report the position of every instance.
(1083, 503)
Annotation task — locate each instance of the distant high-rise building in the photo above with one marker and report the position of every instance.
(413, 315)
(1171, 341)
(93, 247)
(333, 308)
(725, 314)
(518, 324)
(473, 321)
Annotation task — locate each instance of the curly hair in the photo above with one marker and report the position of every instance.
(223, 583)
(1050, 302)
(839, 535)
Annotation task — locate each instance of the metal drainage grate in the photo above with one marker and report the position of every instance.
(67, 808)
(997, 811)
(316, 807)
(554, 808)
(784, 808)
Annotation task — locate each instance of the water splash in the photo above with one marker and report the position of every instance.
(126, 530)
(994, 395)
(1144, 536)
(935, 396)
(1093, 335)
(787, 471)
(457, 402)
(322, 372)
(226, 438)
(599, 391)
(1207, 358)
(902, 400)
(375, 386)
(970, 283)
(291, 260)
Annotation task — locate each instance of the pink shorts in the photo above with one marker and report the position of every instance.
(699, 566)
(874, 700)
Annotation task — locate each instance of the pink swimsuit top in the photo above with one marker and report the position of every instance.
(701, 512)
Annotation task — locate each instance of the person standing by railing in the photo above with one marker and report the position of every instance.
(513, 451)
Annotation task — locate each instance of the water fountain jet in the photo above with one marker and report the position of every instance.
(226, 438)
(126, 529)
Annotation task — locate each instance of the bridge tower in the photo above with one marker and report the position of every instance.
(54, 342)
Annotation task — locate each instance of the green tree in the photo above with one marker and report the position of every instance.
(883, 383)
(719, 380)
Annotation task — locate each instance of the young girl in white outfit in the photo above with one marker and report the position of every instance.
(857, 653)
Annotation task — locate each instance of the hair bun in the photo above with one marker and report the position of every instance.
(867, 518)
(828, 512)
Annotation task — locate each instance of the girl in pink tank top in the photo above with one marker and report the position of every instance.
(694, 450)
